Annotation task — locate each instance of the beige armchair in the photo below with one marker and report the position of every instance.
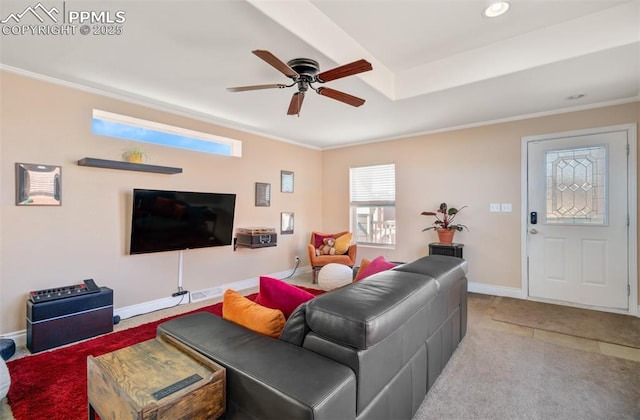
(317, 262)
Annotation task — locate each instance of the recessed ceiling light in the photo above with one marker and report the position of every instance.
(496, 9)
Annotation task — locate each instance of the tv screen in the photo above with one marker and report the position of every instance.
(176, 220)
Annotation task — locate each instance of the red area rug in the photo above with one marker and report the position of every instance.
(53, 385)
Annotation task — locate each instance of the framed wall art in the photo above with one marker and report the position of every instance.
(286, 181)
(286, 223)
(263, 194)
(38, 185)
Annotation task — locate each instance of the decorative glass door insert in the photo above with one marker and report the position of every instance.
(576, 190)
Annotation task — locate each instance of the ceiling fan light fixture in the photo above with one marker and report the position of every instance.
(496, 9)
(304, 72)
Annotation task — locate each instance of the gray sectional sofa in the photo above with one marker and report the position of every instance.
(369, 350)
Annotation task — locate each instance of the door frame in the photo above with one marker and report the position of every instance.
(632, 199)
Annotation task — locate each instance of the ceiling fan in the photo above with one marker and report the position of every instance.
(304, 72)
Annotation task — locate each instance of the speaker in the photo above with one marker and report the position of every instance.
(57, 322)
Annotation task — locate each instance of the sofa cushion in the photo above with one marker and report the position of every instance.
(444, 268)
(267, 378)
(377, 265)
(242, 311)
(377, 306)
(296, 329)
(277, 294)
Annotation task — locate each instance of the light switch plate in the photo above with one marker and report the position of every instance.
(506, 208)
(494, 207)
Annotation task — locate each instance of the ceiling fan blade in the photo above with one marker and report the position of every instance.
(256, 87)
(340, 96)
(296, 104)
(350, 69)
(276, 63)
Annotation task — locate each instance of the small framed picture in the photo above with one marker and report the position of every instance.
(263, 194)
(38, 185)
(286, 223)
(286, 181)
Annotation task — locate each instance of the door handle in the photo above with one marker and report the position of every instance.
(533, 231)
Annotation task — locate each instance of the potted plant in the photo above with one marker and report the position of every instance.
(444, 222)
(134, 155)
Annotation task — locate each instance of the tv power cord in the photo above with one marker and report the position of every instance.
(294, 269)
(183, 293)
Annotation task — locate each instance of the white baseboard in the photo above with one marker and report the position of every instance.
(488, 289)
(153, 305)
(512, 292)
(20, 337)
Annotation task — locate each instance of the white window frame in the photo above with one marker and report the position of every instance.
(376, 196)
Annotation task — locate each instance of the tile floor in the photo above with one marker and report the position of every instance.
(592, 346)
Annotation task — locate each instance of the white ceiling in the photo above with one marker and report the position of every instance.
(437, 64)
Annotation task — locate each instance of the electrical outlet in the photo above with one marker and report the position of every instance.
(297, 259)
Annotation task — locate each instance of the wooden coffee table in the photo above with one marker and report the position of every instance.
(156, 379)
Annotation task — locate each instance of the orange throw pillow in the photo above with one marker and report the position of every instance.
(242, 311)
(363, 265)
(375, 266)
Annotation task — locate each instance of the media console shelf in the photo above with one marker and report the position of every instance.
(126, 166)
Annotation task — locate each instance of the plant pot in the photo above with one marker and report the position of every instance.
(133, 158)
(445, 236)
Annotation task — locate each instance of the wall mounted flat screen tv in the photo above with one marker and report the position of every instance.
(177, 220)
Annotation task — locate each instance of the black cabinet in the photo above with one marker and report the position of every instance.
(452, 250)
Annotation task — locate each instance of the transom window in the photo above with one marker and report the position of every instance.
(373, 204)
(130, 128)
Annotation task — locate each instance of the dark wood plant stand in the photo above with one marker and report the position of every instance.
(453, 250)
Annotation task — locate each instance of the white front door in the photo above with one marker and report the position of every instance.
(578, 246)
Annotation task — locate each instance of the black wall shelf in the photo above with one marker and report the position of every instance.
(126, 166)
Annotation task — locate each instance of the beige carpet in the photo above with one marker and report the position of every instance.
(594, 325)
(502, 371)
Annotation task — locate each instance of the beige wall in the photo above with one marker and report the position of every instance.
(87, 237)
(473, 167)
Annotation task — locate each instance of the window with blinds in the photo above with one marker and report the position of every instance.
(373, 204)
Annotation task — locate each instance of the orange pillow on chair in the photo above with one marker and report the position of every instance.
(242, 311)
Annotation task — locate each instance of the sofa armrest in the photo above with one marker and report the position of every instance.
(266, 377)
